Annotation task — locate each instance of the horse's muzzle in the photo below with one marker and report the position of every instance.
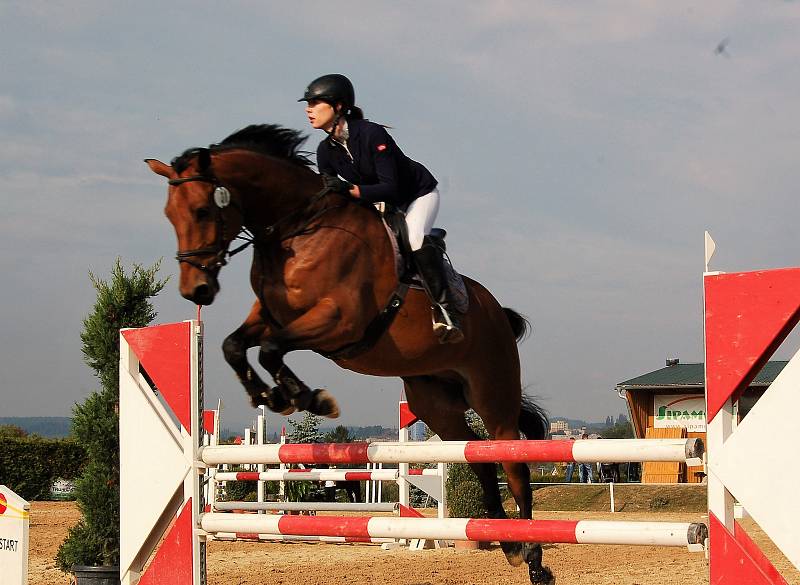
(203, 293)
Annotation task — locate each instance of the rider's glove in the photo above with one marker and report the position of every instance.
(336, 185)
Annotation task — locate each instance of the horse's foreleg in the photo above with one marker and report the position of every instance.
(235, 349)
(299, 334)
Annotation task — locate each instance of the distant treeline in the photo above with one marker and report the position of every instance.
(51, 427)
(358, 433)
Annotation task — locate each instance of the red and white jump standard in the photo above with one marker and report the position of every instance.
(170, 503)
(747, 316)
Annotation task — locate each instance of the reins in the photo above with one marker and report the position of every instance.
(219, 196)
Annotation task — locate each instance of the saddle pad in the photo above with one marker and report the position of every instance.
(455, 281)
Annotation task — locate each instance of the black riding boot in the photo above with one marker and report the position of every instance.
(430, 262)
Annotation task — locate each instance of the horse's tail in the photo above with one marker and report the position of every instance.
(533, 419)
(519, 324)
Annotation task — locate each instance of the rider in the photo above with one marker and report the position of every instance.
(375, 169)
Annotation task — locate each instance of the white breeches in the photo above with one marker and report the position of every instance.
(420, 215)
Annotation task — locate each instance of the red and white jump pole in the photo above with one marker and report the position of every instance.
(685, 450)
(551, 531)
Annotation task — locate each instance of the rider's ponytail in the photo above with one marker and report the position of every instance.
(355, 113)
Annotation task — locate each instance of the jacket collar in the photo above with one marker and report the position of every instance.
(354, 129)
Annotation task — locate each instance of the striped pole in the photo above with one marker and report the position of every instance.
(295, 538)
(319, 475)
(684, 450)
(547, 531)
(307, 506)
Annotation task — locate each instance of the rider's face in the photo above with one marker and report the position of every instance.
(320, 115)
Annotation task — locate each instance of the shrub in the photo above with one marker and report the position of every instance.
(123, 301)
(29, 465)
(464, 492)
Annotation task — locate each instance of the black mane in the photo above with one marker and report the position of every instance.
(267, 139)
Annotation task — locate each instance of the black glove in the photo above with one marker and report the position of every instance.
(336, 185)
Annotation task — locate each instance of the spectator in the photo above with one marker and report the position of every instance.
(585, 469)
(607, 472)
(569, 468)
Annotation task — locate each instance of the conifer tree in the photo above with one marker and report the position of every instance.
(341, 434)
(305, 430)
(122, 301)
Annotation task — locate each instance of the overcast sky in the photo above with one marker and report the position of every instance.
(581, 147)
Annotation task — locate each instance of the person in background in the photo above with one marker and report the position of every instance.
(570, 467)
(585, 469)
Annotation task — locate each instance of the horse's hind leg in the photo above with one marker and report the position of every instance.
(498, 405)
(442, 406)
(235, 349)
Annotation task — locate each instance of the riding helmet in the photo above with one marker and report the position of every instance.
(332, 88)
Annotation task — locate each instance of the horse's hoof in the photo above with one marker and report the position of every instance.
(514, 553)
(273, 399)
(323, 404)
(541, 576)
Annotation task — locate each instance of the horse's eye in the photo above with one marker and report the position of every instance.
(202, 213)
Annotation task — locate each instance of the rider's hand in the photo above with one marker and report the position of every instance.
(336, 185)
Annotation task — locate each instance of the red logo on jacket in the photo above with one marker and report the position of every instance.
(381, 147)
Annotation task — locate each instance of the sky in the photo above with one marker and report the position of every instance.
(582, 149)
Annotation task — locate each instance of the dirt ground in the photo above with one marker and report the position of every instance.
(243, 563)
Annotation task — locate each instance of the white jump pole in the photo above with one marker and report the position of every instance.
(522, 451)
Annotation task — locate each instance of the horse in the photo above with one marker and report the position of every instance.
(325, 278)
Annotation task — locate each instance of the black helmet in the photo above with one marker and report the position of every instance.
(333, 88)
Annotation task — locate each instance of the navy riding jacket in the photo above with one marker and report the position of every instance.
(376, 164)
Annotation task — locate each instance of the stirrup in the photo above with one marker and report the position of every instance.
(447, 332)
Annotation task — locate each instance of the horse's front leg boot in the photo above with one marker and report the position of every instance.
(324, 404)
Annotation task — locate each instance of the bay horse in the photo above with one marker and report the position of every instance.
(325, 278)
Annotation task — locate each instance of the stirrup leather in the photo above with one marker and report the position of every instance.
(445, 329)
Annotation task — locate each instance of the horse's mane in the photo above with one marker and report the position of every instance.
(268, 139)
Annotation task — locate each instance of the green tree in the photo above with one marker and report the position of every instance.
(339, 435)
(619, 431)
(305, 430)
(122, 301)
(464, 492)
(12, 432)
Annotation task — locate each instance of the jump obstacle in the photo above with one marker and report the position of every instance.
(171, 355)
(431, 481)
(747, 315)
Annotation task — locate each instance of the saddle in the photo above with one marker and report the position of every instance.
(395, 223)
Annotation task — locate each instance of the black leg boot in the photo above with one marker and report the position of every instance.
(430, 263)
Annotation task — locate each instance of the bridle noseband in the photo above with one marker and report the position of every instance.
(219, 198)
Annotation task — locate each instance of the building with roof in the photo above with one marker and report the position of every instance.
(670, 403)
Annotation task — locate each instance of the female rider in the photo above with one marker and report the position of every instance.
(375, 169)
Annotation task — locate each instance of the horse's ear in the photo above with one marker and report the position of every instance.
(160, 168)
(203, 159)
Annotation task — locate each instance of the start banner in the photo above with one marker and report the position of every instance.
(14, 520)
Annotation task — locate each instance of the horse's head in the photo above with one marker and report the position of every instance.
(206, 217)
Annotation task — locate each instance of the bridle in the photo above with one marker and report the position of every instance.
(219, 198)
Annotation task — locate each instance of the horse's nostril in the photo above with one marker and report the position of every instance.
(203, 294)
